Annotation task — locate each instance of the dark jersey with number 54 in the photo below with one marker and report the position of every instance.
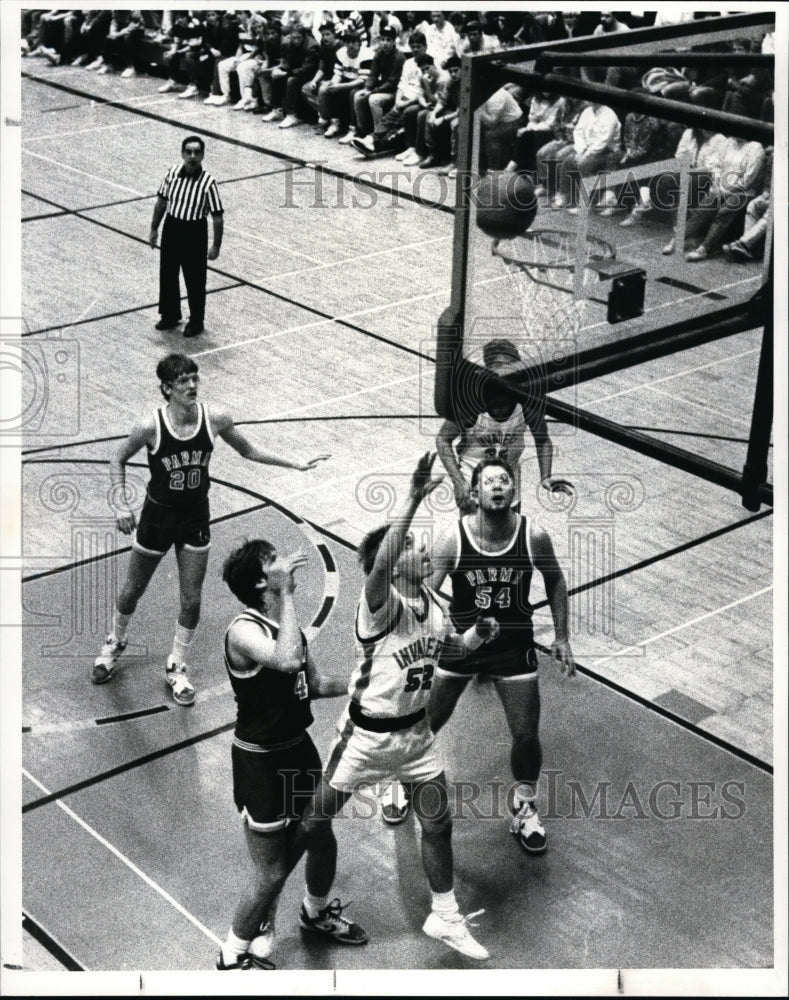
(494, 585)
(273, 706)
(178, 465)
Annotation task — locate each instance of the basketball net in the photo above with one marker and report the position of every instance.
(549, 279)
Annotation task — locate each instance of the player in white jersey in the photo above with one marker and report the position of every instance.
(498, 432)
(401, 628)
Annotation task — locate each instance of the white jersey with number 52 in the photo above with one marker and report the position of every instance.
(397, 650)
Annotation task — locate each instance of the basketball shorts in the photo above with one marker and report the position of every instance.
(359, 756)
(160, 527)
(272, 788)
(505, 665)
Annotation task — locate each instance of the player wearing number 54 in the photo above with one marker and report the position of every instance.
(179, 440)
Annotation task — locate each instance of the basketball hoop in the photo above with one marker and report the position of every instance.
(550, 272)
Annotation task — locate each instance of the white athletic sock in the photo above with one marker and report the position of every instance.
(524, 792)
(119, 625)
(233, 947)
(445, 904)
(314, 904)
(181, 642)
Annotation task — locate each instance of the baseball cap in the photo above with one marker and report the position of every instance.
(387, 32)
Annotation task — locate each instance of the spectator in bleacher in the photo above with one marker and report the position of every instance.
(220, 42)
(544, 113)
(250, 67)
(314, 89)
(750, 246)
(298, 65)
(92, 32)
(351, 70)
(549, 156)
(411, 21)
(596, 147)
(742, 168)
(259, 70)
(48, 34)
(122, 44)
(499, 118)
(249, 34)
(441, 117)
(408, 94)
(351, 22)
(644, 140)
(476, 40)
(415, 117)
(377, 96)
(383, 19)
(703, 151)
(441, 37)
(185, 36)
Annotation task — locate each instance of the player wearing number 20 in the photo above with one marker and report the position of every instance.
(179, 438)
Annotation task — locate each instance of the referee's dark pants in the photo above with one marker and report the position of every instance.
(184, 248)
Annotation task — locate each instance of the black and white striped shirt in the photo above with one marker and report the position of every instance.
(190, 198)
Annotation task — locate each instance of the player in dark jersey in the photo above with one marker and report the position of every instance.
(179, 438)
(275, 764)
(490, 557)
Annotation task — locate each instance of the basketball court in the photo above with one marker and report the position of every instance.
(322, 337)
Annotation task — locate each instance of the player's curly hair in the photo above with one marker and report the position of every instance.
(243, 574)
(367, 549)
(171, 368)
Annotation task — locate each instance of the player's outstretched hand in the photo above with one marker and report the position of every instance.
(126, 523)
(422, 482)
(487, 629)
(555, 485)
(312, 463)
(560, 650)
(280, 573)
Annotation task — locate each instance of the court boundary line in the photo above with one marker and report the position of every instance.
(254, 147)
(128, 862)
(49, 943)
(130, 765)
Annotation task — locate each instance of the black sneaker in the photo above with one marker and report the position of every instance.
(331, 923)
(244, 962)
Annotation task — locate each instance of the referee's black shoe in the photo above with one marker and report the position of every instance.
(167, 324)
(190, 330)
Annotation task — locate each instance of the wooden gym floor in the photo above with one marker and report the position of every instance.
(320, 338)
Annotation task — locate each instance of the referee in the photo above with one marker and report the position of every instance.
(185, 198)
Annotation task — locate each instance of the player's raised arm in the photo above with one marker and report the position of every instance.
(377, 584)
(227, 430)
(544, 448)
(556, 592)
(447, 434)
(248, 641)
(140, 435)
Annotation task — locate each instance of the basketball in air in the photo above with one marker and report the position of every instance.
(506, 204)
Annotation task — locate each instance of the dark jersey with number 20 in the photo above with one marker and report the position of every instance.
(494, 585)
(179, 466)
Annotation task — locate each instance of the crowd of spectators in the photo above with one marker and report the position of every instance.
(387, 83)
